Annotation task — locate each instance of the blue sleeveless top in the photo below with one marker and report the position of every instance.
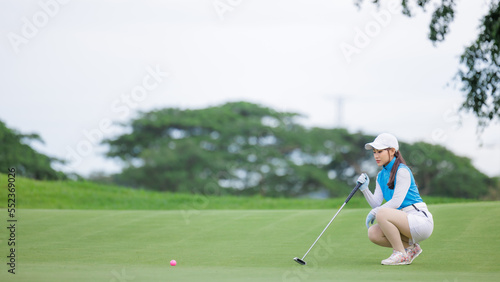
(412, 197)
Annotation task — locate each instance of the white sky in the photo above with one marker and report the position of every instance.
(67, 68)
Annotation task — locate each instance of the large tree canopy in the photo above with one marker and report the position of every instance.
(479, 73)
(243, 148)
(14, 152)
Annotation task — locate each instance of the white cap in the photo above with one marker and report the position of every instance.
(383, 141)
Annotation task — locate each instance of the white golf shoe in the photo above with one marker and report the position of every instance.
(413, 251)
(397, 258)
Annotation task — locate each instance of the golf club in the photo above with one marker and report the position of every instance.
(301, 260)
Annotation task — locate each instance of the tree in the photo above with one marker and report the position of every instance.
(479, 73)
(14, 152)
(439, 172)
(247, 149)
(238, 148)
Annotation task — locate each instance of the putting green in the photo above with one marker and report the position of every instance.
(243, 245)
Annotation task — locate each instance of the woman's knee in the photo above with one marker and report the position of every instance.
(375, 234)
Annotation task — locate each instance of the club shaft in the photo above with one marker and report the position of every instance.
(324, 230)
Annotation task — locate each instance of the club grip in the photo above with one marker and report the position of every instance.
(353, 191)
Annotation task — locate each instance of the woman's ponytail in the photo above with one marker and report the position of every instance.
(399, 160)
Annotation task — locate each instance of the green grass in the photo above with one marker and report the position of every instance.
(32, 194)
(82, 231)
(243, 245)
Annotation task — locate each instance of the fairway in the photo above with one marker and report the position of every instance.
(244, 245)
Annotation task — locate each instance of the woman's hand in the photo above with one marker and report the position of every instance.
(363, 178)
(370, 218)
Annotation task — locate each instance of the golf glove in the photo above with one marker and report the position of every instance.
(363, 178)
(370, 218)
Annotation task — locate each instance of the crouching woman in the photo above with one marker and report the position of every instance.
(403, 220)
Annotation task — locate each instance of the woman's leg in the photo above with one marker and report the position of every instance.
(376, 235)
(392, 229)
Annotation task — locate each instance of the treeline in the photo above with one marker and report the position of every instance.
(245, 149)
(242, 148)
(16, 152)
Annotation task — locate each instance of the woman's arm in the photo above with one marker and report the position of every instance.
(374, 200)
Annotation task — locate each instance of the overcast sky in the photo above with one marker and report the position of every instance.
(70, 68)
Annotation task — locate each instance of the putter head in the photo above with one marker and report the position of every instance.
(299, 261)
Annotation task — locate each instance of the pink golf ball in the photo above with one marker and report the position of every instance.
(173, 262)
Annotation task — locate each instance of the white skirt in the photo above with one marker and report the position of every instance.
(421, 222)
